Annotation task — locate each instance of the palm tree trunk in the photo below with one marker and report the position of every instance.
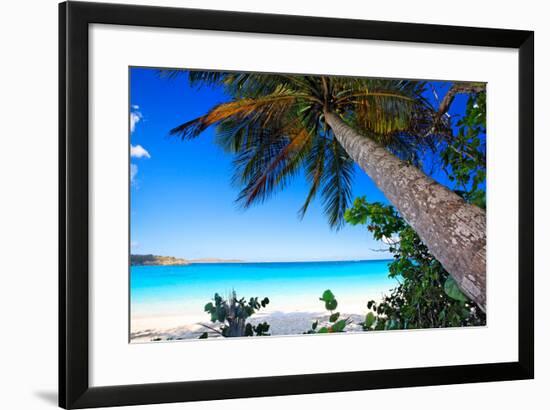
(453, 230)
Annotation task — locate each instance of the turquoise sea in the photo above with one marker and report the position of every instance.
(290, 286)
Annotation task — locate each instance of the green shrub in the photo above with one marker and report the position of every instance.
(336, 324)
(233, 314)
(426, 295)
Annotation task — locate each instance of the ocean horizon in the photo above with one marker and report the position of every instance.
(176, 295)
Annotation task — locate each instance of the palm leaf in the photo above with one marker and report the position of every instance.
(196, 77)
(315, 170)
(270, 164)
(336, 183)
(265, 109)
(275, 126)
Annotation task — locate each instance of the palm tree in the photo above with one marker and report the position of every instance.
(278, 124)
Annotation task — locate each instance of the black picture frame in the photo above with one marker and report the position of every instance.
(74, 388)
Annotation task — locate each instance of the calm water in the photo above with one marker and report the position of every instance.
(160, 290)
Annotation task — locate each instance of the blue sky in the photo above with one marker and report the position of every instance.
(183, 202)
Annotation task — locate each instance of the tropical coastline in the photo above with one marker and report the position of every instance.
(158, 260)
(322, 175)
(168, 301)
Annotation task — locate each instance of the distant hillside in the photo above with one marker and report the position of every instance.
(214, 260)
(149, 260)
(154, 260)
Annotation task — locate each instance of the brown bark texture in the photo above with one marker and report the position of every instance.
(453, 230)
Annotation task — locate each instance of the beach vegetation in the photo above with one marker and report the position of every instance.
(464, 155)
(335, 323)
(427, 295)
(231, 315)
(277, 124)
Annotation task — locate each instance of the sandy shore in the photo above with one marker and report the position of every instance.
(282, 323)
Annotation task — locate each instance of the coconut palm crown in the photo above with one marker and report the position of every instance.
(276, 127)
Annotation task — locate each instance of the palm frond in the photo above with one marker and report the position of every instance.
(314, 165)
(336, 183)
(270, 164)
(196, 77)
(209, 78)
(171, 73)
(275, 127)
(264, 109)
(382, 115)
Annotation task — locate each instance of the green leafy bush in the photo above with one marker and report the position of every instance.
(233, 314)
(335, 324)
(463, 156)
(426, 296)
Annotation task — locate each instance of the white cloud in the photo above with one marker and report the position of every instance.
(137, 151)
(135, 117)
(133, 172)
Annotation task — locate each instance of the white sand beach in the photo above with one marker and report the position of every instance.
(281, 323)
(287, 320)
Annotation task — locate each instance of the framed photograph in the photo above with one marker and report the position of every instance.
(256, 205)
